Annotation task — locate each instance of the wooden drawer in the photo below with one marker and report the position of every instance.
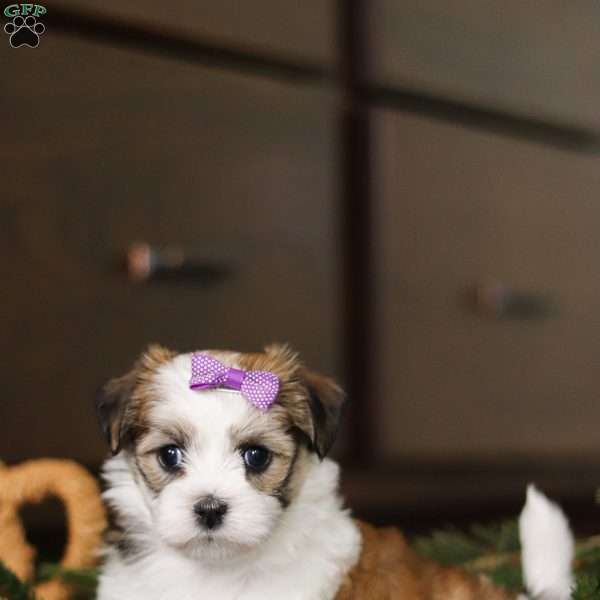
(532, 56)
(301, 29)
(455, 208)
(104, 147)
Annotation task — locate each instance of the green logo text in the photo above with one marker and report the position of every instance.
(15, 10)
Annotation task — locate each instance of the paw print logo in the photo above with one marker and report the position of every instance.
(24, 31)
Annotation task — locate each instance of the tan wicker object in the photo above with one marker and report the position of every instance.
(32, 482)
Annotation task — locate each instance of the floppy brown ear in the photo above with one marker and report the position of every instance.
(113, 402)
(111, 407)
(325, 400)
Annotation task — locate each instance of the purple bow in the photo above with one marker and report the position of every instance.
(260, 388)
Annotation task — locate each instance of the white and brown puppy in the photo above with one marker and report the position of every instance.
(214, 499)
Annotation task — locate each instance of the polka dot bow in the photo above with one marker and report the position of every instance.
(260, 388)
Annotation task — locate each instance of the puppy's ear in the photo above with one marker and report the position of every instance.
(113, 402)
(325, 401)
(111, 406)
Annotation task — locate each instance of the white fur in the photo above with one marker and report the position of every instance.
(262, 551)
(548, 548)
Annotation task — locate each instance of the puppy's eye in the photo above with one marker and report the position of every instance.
(257, 458)
(170, 457)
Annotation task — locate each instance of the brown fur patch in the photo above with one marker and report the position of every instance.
(124, 402)
(307, 401)
(292, 413)
(156, 436)
(389, 569)
(281, 478)
(153, 475)
(284, 363)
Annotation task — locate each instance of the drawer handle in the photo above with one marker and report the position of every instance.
(174, 264)
(500, 301)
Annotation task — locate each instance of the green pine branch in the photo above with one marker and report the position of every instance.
(11, 587)
(494, 550)
(587, 587)
(82, 582)
(84, 579)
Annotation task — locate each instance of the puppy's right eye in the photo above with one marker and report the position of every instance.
(170, 457)
(257, 458)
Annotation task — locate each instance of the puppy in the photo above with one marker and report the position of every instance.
(220, 489)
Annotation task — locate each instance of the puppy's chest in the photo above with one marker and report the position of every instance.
(164, 581)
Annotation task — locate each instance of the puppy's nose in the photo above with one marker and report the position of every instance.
(210, 512)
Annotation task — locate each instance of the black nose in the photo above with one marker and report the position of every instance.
(210, 512)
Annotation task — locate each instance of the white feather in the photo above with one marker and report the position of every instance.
(548, 548)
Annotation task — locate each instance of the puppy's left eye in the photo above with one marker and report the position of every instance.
(257, 458)
(170, 457)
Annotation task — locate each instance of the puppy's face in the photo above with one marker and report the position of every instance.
(217, 473)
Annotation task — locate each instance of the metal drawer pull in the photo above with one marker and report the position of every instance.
(174, 264)
(500, 301)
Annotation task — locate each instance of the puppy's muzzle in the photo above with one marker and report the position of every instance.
(210, 512)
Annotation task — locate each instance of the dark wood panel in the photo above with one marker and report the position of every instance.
(305, 29)
(104, 147)
(534, 56)
(456, 208)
